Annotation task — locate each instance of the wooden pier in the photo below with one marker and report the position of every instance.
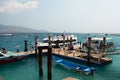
(95, 58)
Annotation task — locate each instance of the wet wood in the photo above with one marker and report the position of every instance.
(49, 61)
(40, 61)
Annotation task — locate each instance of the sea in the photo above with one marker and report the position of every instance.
(27, 69)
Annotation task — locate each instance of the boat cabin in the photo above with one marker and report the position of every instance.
(97, 44)
(62, 40)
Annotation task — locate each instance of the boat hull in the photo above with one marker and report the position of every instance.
(74, 66)
(11, 59)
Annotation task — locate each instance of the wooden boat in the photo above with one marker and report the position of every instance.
(11, 57)
(74, 66)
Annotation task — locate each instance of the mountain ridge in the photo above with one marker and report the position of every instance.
(18, 29)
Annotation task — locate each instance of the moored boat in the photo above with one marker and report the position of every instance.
(11, 57)
(62, 40)
(97, 44)
(74, 66)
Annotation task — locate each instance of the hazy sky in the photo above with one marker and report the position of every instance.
(63, 15)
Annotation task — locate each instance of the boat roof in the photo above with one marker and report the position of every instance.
(100, 39)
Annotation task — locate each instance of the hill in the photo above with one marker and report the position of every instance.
(18, 29)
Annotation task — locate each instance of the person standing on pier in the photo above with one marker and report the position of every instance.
(31, 47)
(18, 48)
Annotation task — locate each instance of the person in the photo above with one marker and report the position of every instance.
(3, 50)
(18, 48)
(31, 47)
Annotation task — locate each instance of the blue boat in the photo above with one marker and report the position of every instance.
(74, 66)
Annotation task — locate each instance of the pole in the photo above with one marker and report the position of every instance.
(89, 50)
(36, 42)
(70, 46)
(49, 60)
(49, 63)
(49, 40)
(40, 61)
(63, 42)
(25, 41)
(104, 41)
(70, 41)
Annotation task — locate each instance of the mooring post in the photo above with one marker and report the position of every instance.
(67, 42)
(70, 41)
(25, 42)
(57, 42)
(36, 42)
(89, 50)
(40, 61)
(49, 60)
(104, 46)
(63, 42)
(49, 63)
(49, 40)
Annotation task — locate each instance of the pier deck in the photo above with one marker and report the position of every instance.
(95, 58)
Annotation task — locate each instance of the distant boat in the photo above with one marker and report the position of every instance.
(74, 66)
(11, 57)
(6, 34)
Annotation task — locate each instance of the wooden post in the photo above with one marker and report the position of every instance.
(25, 41)
(89, 50)
(49, 63)
(49, 60)
(63, 42)
(36, 42)
(67, 42)
(49, 40)
(104, 46)
(40, 61)
(70, 41)
(57, 42)
(70, 46)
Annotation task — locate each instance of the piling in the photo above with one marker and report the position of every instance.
(104, 46)
(63, 42)
(57, 42)
(89, 50)
(40, 61)
(36, 42)
(70, 41)
(25, 43)
(49, 40)
(49, 61)
(67, 42)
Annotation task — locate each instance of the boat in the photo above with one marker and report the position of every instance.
(59, 40)
(6, 34)
(11, 57)
(97, 44)
(74, 66)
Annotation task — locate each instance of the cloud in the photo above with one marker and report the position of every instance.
(15, 5)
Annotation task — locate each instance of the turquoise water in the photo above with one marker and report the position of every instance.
(27, 69)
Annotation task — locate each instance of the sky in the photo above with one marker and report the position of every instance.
(79, 16)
